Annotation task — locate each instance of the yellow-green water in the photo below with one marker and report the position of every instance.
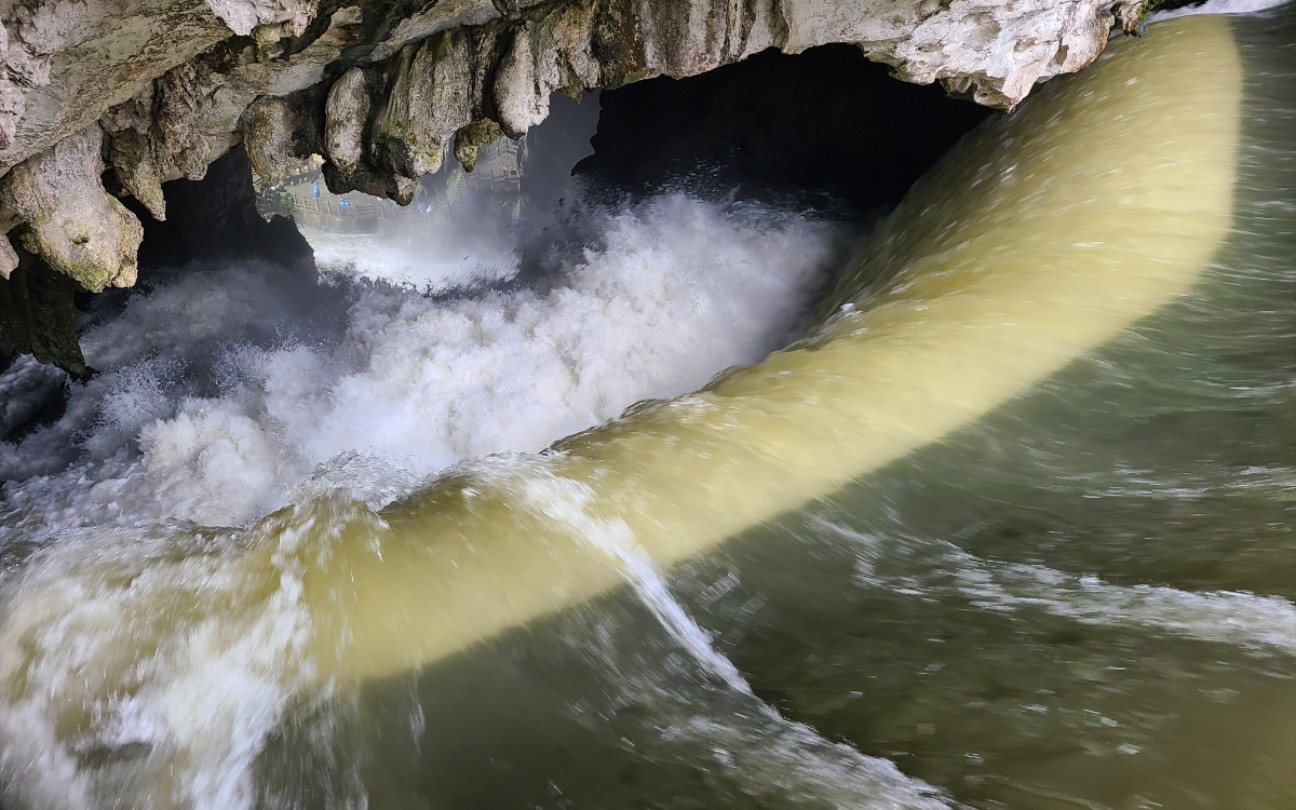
(1012, 528)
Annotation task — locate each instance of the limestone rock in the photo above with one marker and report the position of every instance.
(472, 139)
(434, 18)
(437, 88)
(346, 117)
(347, 113)
(200, 112)
(70, 221)
(132, 157)
(67, 61)
(133, 153)
(547, 54)
(243, 16)
(8, 258)
(280, 132)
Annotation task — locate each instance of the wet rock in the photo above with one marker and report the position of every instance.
(68, 219)
(133, 159)
(200, 112)
(133, 154)
(347, 113)
(245, 16)
(472, 139)
(280, 133)
(38, 314)
(528, 76)
(8, 258)
(67, 61)
(436, 89)
(346, 119)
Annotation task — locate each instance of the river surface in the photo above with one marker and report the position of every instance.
(1007, 522)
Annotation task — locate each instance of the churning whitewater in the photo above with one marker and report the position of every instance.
(994, 513)
(210, 407)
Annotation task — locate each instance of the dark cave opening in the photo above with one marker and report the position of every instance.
(824, 123)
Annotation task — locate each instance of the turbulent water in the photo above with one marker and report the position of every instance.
(210, 407)
(1010, 526)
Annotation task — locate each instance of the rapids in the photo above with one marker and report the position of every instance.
(1007, 523)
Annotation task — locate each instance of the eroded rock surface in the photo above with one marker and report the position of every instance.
(155, 90)
(68, 219)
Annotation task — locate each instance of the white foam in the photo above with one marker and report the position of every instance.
(565, 502)
(771, 756)
(730, 732)
(1218, 7)
(207, 411)
(429, 262)
(183, 707)
(935, 568)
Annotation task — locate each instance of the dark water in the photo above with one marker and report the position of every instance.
(1083, 599)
